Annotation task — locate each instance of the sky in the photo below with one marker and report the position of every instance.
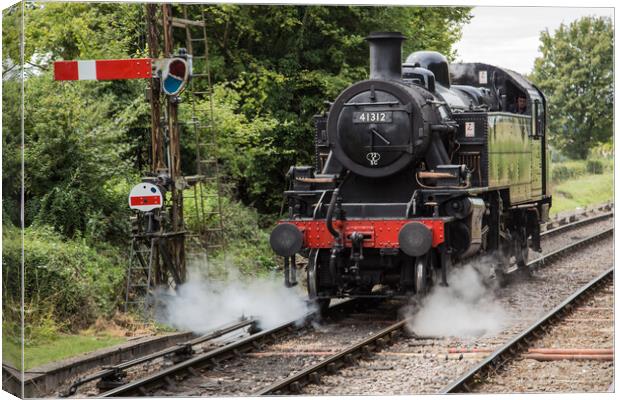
(509, 36)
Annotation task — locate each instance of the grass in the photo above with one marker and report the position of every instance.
(582, 191)
(64, 346)
(11, 352)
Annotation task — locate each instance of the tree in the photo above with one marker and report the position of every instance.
(576, 74)
(81, 138)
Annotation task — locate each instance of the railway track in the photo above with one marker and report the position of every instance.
(347, 357)
(319, 364)
(259, 348)
(495, 363)
(574, 222)
(552, 255)
(113, 376)
(364, 355)
(344, 358)
(577, 223)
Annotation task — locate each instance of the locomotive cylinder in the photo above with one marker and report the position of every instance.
(385, 55)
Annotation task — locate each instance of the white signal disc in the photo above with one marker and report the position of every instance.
(145, 197)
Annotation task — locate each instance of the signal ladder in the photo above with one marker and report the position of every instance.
(205, 197)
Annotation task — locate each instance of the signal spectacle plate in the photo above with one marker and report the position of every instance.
(415, 239)
(286, 240)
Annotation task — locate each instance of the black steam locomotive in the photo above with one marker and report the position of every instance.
(419, 167)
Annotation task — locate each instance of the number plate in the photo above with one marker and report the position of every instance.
(372, 117)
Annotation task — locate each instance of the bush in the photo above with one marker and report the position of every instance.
(567, 170)
(594, 167)
(572, 169)
(246, 243)
(67, 283)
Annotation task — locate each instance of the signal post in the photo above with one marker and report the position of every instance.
(159, 235)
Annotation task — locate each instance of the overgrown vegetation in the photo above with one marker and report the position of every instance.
(68, 283)
(575, 72)
(572, 169)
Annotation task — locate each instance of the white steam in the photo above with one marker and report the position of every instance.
(201, 304)
(466, 308)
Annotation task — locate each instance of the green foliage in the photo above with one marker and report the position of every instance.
(562, 171)
(81, 138)
(76, 150)
(603, 150)
(247, 243)
(576, 74)
(67, 282)
(595, 167)
(11, 152)
(11, 348)
(293, 39)
(84, 30)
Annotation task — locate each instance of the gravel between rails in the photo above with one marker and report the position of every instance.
(590, 325)
(246, 373)
(556, 241)
(424, 366)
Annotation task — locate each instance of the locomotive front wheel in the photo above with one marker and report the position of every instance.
(313, 283)
(421, 274)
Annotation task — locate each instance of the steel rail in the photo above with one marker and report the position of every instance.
(577, 223)
(166, 376)
(495, 361)
(312, 374)
(540, 262)
(116, 371)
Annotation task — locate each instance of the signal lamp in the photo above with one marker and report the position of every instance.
(174, 76)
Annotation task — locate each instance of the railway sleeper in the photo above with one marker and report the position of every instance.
(315, 378)
(115, 379)
(185, 352)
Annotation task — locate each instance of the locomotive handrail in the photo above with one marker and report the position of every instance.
(330, 214)
(306, 192)
(319, 205)
(315, 180)
(378, 103)
(435, 175)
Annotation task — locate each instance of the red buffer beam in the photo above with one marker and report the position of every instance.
(99, 70)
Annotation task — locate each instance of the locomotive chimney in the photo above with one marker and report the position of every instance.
(385, 55)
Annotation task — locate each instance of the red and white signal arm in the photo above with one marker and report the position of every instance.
(145, 197)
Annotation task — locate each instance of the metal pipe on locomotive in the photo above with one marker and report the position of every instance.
(421, 166)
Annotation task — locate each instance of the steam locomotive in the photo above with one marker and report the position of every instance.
(420, 167)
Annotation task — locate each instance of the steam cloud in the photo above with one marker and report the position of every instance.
(201, 304)
(466, 308)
